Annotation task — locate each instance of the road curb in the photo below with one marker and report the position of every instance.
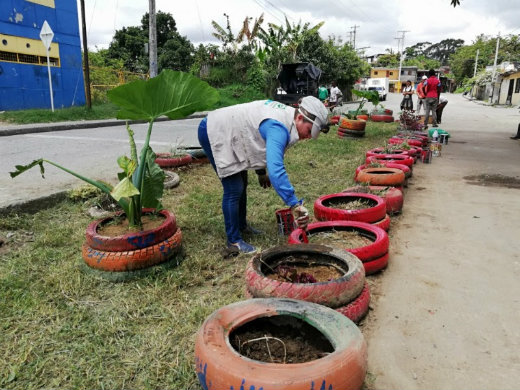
(44, 128)
(34, 205)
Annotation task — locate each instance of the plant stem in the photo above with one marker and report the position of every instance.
(139, 177)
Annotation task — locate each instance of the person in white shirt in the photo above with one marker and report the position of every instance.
(335, 95)
(408, 91)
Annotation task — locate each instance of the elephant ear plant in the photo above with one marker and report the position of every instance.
(366, 96)
(173, 94)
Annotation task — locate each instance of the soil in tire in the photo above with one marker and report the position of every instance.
(300, 270)
(281, 339)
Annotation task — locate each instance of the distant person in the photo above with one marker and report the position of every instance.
(323, 93)
(407, 102)
(517, 136)
(440, 107)
(432, 89)
(335, 95)
(421, 95)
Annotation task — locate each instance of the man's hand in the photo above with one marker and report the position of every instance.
(300, 215)
(264, 181)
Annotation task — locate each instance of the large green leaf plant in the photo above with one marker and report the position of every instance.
(366, 96)
(173, 94)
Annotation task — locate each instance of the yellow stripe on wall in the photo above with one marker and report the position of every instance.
(22, 45)
(46, 3)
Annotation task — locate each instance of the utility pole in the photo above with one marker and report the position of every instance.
(401, 55)
(476, 61)
(494, 69)
(152, 39)
(86, 68)
(354, 34)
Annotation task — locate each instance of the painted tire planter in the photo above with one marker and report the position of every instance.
(385, 111)
(407, 171)
(344, 133)
(393, 197)
(358, 308)
(380, 151)
(166, 160)
(363, 117)
(381, 177)
(132, 240)
(381, 118)
(135, 259)
(198, 156)
(397, 158)
(374, 250)
(334, 120)
(333, 293)
(220, 366)
(171, 180)
(324, 207)
(383, 223)
(352, 124)
(412, 142)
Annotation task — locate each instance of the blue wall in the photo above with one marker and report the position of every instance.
(25, 86)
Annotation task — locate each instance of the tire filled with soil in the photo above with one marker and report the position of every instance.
(279, 344)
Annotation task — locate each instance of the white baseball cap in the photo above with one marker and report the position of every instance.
(315, 107)
(424, 77)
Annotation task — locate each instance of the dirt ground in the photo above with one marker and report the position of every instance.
(446, 312)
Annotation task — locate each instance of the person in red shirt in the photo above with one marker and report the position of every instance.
(421, 95)
(432, 90)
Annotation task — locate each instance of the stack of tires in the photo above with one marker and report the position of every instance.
(374, 256)
(385, 176)
(384, 115)
(351, 128)
(393, 196)
(324, 209)
(349, 294)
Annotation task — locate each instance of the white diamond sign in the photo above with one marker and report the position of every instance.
(46, 35)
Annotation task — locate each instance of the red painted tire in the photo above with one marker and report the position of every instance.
(407, 171)
(394, 197)
(376, 265)
(132, 240)
(358, 308)
(135, 259)
(383, 223)
(412, 142)
(324, 212)
(384, 111)
(166, 160)
(398, 158)
(220, 366)
(381, 177)
(363, 117)
(378, 236)
(333, 293)
(381, 118)
(352, 124)
(381, 151)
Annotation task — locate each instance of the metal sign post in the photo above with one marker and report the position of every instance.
(46, 36)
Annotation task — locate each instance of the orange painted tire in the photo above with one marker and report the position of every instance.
(381, 118)
(394, 197)
(363, 117)
(381, 176)
(383, 223)
(220, 366)
(324, 210)
(133, 260)
(132, 240)
(352, 124)
(166, 160)
(333, 293)
(407, 171)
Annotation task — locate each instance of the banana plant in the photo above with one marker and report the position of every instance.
(366, 96)
(173, 94)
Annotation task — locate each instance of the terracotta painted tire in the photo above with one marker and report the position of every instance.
(383, 223)
(351, 133)
(132, 240)
(397, 158)
(220, 366)
(407, 171)
(381, 118)
(352, 124)
(135, 259)
(381, 177)
(333, 293)
(358, 308)
(324, 212)
(374, 250)
(394, 197)
(166, 160)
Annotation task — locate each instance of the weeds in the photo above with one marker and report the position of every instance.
(64, 328)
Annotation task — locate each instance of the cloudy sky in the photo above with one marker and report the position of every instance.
(378, 22)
